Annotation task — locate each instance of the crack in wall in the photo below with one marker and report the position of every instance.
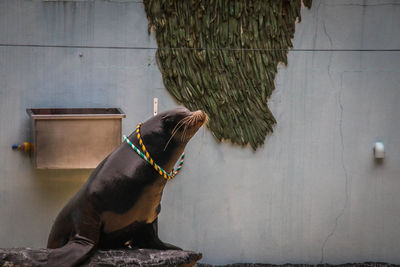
(341, 213)
(331, 44)
(316, 30)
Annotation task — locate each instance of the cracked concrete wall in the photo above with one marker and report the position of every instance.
(312, 194)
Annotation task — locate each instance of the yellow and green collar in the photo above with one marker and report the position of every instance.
(146, 156)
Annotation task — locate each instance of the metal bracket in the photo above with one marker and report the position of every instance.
(155, 106)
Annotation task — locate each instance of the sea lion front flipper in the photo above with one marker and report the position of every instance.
(73, 253)
(164, 245)
(148, 238)
(87, 226)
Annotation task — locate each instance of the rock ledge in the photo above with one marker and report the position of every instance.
(125, 257)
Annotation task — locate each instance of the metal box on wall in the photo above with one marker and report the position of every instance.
(74, 138)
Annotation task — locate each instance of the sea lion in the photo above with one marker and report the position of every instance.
(118, 206)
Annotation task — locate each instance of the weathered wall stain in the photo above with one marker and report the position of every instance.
(221, 56)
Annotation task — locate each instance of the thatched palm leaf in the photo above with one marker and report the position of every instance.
(221, 56)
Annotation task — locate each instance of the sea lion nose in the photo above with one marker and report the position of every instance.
(199, 112)
(200, 115)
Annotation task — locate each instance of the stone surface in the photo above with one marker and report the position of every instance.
(365, 264)
(136, 257)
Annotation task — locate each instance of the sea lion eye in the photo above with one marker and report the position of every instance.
(167, 119)
(168, 122)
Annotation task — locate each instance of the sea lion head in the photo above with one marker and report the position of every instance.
(166, 134)
(181, 124)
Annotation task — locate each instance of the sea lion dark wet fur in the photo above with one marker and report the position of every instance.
(119, 204)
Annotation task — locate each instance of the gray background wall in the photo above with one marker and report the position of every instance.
(312, 194)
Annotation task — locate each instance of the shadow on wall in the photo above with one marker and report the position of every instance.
(53, 189)
(54, 183)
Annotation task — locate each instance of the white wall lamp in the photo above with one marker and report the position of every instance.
(379, 150)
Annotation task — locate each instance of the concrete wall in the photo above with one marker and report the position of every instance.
(312, 194)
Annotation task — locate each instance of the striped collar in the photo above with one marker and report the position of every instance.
(144, 154)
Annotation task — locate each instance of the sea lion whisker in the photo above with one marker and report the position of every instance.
(172, 135)
(193, 120)
(182, 122)
(183, 137)
(169, 140)
(175, 130)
